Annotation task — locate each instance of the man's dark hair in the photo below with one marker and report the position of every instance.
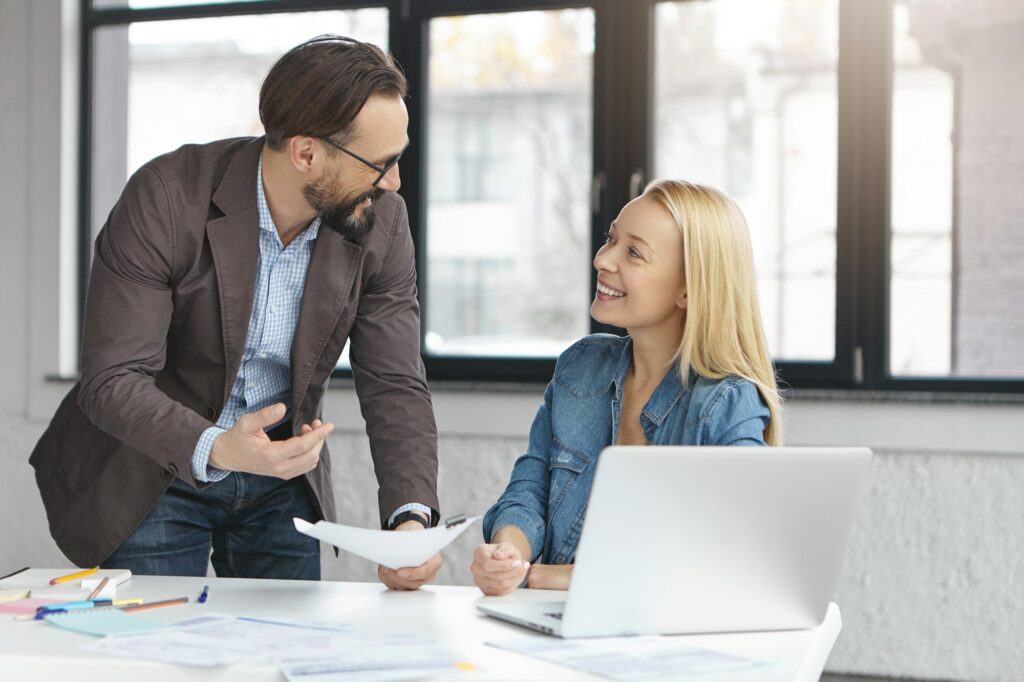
(317, 88)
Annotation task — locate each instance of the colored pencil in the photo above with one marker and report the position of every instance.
(156, 604)
(99, 588)
(73, 576)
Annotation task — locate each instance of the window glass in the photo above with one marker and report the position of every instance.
(161, 84)
(745, 100)
(956, 237)
(508, 183)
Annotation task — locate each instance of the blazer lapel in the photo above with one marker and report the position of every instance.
(234, 241)
(332, 272)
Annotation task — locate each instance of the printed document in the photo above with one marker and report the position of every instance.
(217, 639)
(302, 651)
(639, 658)
(370, 657)
(385, 547)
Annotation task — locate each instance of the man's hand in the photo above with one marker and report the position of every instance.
(246, 447)
(498, 569)
(412, 577)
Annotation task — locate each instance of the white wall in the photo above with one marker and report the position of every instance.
(930, 585)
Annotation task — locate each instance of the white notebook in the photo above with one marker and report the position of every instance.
(37, 581)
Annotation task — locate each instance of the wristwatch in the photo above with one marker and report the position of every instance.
(408, 516)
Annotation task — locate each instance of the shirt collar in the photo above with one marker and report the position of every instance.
(267, 222)
(665, 396)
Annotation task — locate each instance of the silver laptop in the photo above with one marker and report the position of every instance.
(704, 539)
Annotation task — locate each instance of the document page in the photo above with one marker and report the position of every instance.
(639, 658)
(217, 639)
(302, 651)
(385, 547)
(367, 657)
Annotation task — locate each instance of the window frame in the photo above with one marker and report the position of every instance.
(622, 153)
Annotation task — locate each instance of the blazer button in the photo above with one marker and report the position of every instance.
(211, 412)
(169, 471)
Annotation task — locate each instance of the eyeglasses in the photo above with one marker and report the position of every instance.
(383, 170)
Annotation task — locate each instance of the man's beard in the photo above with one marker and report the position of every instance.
(341, 217)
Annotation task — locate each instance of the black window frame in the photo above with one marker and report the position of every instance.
(622, 154)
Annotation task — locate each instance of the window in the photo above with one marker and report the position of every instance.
(955, 308)
(508, 182)
(746, 101)
(157, 85)
(873, 146)
(160, 84)
(920, 313)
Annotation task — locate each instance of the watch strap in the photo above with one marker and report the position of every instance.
(408, 516)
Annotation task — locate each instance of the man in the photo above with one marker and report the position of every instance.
(225, 284)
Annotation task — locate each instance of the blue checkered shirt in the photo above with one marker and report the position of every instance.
(265, 373)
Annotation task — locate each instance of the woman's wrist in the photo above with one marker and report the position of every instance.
(512, 535)
(549, 577)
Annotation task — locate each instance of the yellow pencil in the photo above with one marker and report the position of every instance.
(73, 576)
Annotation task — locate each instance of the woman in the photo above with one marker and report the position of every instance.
(677, 273)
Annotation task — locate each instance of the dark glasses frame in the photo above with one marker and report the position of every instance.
(383, 170)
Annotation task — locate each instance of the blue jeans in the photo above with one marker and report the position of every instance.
(245, 519)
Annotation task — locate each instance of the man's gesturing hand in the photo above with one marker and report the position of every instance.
(246, 446)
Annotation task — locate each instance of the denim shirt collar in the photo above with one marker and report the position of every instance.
(665, 396)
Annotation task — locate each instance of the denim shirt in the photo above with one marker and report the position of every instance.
(547, 495)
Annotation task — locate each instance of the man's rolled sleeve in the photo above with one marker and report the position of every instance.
(201, 469)
(412, 506)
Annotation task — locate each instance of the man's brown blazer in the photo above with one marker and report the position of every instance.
(166, 316)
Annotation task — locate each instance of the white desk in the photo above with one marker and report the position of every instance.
(37, 651)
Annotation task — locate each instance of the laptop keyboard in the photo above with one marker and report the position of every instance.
(555, 615)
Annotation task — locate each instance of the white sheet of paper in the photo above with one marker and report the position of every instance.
(385, 547)
(370, 657)
(172, 646)
(632, 659)
(216, 639)
(310, 652)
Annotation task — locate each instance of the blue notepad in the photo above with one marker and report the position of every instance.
(103, 622)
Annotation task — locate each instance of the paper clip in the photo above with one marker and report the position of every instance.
(453, 521)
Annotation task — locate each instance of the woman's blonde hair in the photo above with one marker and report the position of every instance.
(723, 335)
